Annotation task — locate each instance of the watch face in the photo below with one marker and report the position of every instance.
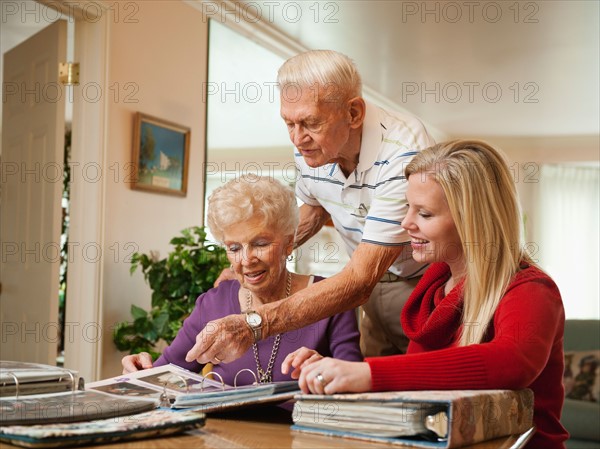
(254, 319)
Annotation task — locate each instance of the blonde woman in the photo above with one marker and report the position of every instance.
(483, 316)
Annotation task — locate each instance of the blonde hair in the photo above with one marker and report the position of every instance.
(333, 73)
(250, 196)
(484, 205)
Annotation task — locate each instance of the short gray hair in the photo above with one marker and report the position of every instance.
(250, 196)
(330, 70)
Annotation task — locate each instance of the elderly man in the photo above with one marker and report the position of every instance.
(351, 158)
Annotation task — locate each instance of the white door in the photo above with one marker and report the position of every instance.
(33, 127)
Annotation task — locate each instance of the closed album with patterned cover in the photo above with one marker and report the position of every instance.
(154, 423)
(441, 419)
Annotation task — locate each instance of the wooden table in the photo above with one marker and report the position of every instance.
(262, 427)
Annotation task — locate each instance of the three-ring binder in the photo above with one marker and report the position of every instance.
(15, 383)
(167, 400)
(33, 393)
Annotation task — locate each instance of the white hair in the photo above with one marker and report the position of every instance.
(329, 70)
(250, 196)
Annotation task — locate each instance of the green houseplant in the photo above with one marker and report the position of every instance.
(176, 281)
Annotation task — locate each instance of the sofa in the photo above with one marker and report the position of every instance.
(581, 417)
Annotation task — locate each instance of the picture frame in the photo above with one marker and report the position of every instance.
(161, 151)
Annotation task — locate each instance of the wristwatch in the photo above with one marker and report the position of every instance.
(254, 321)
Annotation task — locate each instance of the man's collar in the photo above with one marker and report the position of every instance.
(370, 139)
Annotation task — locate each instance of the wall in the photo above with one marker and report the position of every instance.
(165, 71)
(168, 68)
(526, 155)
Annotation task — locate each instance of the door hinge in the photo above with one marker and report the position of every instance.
(68, 73)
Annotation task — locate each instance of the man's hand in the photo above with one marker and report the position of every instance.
(222, 340)
(226, 275)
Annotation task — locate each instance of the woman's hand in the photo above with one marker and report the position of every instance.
(299, 359)
(136, 362)
(328, 376)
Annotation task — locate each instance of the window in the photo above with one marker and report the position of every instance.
(245, 133)
(566, 230)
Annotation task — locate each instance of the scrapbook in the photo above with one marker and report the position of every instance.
(437, 419)
(154, 423)
(34, 393)
(19, 378)
(179, 388)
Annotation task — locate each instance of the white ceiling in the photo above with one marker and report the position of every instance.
(501, 68)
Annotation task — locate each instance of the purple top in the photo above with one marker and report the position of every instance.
(336, 336)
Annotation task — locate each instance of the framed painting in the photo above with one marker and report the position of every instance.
(161, 151)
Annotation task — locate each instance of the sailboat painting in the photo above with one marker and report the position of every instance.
(160, 155)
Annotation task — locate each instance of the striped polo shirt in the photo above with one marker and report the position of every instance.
(370, 204)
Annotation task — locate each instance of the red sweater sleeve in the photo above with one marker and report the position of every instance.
(525, 329)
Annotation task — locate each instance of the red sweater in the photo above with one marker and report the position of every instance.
(523, 348)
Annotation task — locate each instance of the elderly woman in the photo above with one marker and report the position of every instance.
(256, 219)
(483, 316)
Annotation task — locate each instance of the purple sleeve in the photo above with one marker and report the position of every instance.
(344, 337)
(186, 338)
(209, 306)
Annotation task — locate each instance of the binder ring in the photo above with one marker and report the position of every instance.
(215, 374)
(72, 380)
(164, 397)
(10, 373)
(187, 387)
(241, 371)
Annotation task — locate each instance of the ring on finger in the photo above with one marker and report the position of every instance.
(217, 359)
(321, 379)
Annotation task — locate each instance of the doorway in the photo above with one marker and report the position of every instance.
(33, 131)
(85, 202)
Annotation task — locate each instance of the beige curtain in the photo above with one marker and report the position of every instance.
(566, 234)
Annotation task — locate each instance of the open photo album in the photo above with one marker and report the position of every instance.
(176, 387)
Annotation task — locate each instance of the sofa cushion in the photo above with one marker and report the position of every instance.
(582, 376)
(582, 335)
(581, 419)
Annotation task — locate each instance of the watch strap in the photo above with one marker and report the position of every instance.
(256, 330)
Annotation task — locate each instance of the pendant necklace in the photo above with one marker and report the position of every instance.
(265, 376)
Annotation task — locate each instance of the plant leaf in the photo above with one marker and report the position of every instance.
(138, 312)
